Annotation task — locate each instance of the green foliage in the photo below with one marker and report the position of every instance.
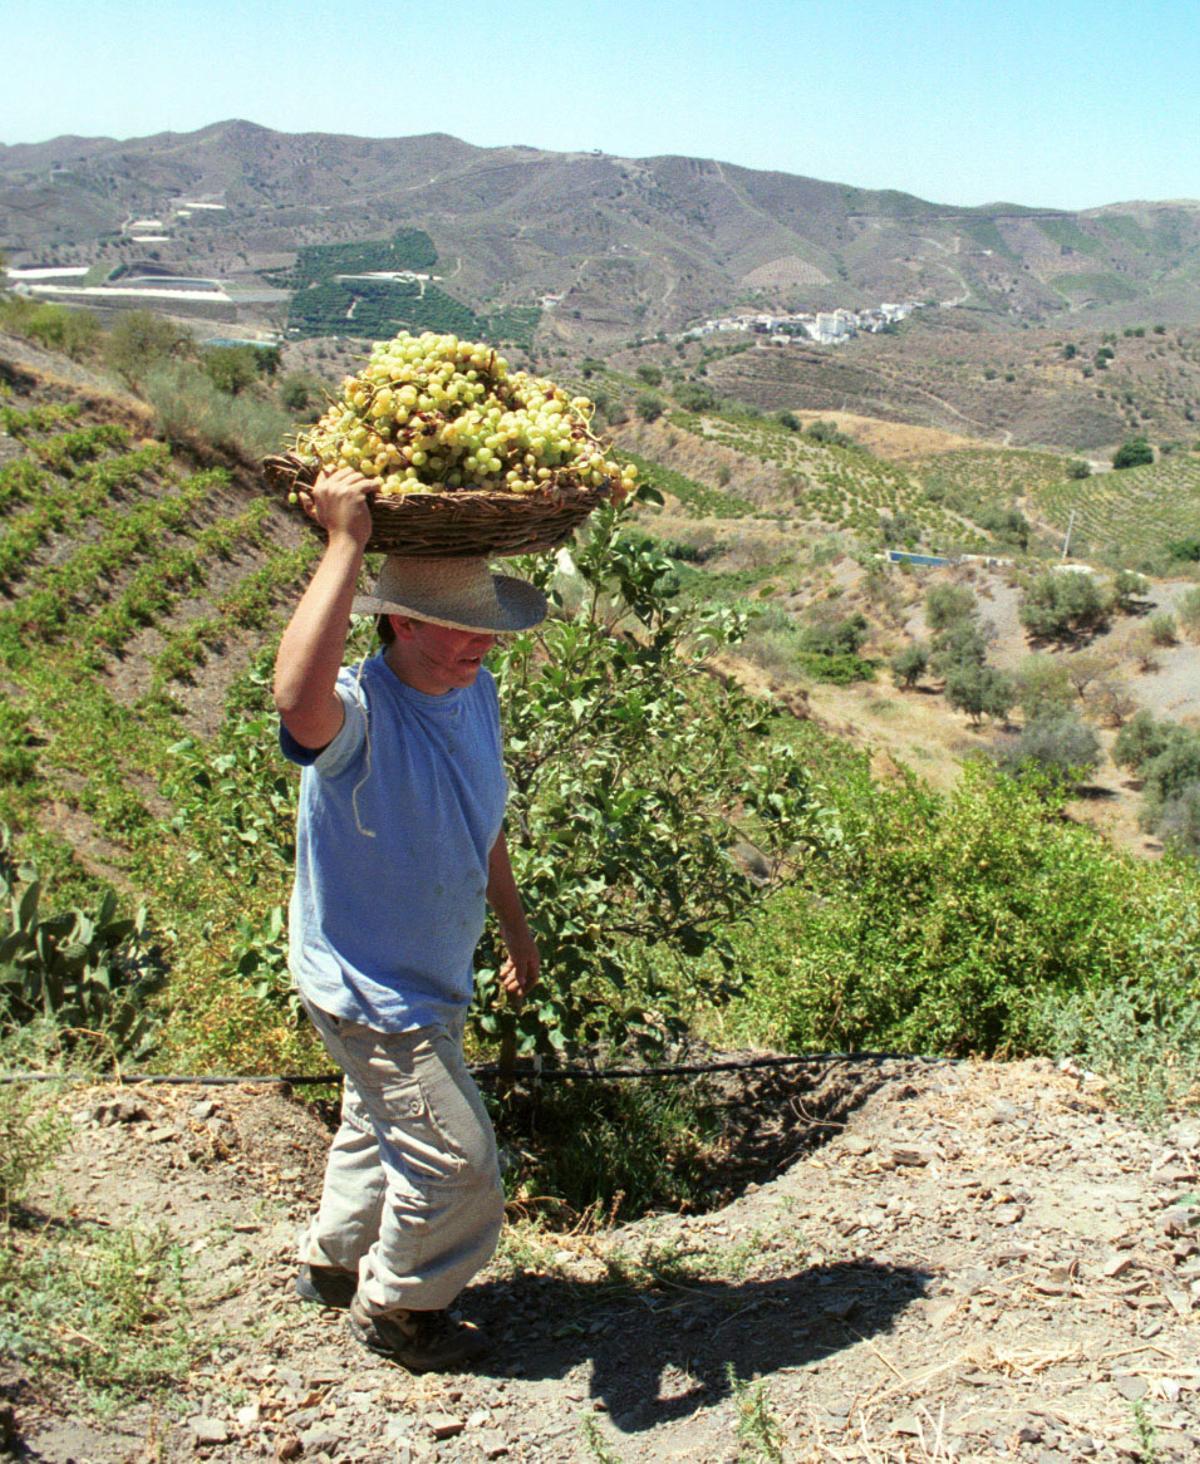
(1061, 603)
(979, 690)
(1128, 588)
(649, 406)
(1140, 741)
(961, 644)
(947, 604)
(573, 1141)
(32, 1133)
(1059, 744)
(1134, 453)
(698, 499)
(189, 407)
(88, 970)
(57, 327)
(830, 634)
(939, 923)
(1189, 612)
(1169, 771)
(140, 342)
(650, 374)
(828, 433)
(1161, 628)
(694, 396)
(408, 249)
(910, 664)
(759, 1431)
(1043, 686)
(1077, 469)
(631, 773)
(231, 369)
(105, 1307)
(379, 309)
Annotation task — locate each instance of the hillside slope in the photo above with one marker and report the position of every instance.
(628, 243)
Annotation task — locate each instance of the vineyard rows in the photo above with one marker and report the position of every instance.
(1127, 518)
(122, 570)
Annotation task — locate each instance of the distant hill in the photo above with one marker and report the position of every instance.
(629, 244)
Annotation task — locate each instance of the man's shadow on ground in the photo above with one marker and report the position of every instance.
(662, 1352)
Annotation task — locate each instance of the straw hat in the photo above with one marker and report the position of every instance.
(461, 593)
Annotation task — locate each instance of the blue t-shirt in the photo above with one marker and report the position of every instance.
(397, 818)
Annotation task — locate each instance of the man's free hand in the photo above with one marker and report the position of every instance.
(339, 502)
(519, 973)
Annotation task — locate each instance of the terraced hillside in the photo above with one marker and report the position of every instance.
(138, 593)
(1127, 518)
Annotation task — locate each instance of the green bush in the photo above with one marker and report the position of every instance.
(1135, 453)
(833, 635)
(946, 605)
(940, 923)
(189, 407)
(139, 343)
(1043, 686)
(1189, 612)
(1061, 603)
(1140, 741)
(649, 406)
(980, 691)
(910, 664)
(1059, 744)
(88, 970)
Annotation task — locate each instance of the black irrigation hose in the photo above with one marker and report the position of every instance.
(489, 1070)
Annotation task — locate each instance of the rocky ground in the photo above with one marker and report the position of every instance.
(971, 1261)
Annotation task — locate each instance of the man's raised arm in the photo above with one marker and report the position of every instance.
(314, 643)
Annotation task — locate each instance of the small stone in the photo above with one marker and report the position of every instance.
(1130, 1387)
(1170, 1389)
(1008, 1214)
(1178, 1220)
(209, 1430)
(479, 1418)
(1029, 1434)
(492, 1442)
(443, 1425)
(204, 1109)
(856, 1144)
(288, 1447)
(248, 1416)
(323, 1440)
(1116, 1266)
(158, 1135)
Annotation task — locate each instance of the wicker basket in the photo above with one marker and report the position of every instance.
(458, 525)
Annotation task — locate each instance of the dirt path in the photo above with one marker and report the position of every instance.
(958, 1262)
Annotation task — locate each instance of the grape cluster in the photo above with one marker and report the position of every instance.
(431, 413)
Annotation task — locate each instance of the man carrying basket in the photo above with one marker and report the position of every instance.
(399, 848)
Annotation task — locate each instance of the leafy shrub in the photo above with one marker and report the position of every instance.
(1186, 549)
(831, 635)
(1179, 820)
(651, 375)
(1059, 744)
(828, 433)
(1043, 686)
(189, 407)
(910, 664)
(32, 1133)
(1140, 741)
(940, 923)
(1060, 603)
(980, 691)
(1162, 628)
(1169, 771)
(1189, 612)
(1077, 469)
(1127, 588)
(649, 406)
(631, 773)
(946, 605)
(87, 969)
(1134, 453)
(962, 644)
(694, 396)
(140, 342)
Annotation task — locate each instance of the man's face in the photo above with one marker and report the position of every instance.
(436, 658)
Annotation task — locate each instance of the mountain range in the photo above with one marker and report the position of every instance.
(641, 244)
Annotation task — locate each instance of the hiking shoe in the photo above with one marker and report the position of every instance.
(421, 1341)
(326, 1286)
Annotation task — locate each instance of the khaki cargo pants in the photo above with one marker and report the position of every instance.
(412, 1200)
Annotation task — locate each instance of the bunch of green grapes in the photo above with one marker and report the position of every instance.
(431, 413)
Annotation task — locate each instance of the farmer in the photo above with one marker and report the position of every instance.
(399, 844)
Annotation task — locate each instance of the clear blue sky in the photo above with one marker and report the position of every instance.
(1067, 103)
